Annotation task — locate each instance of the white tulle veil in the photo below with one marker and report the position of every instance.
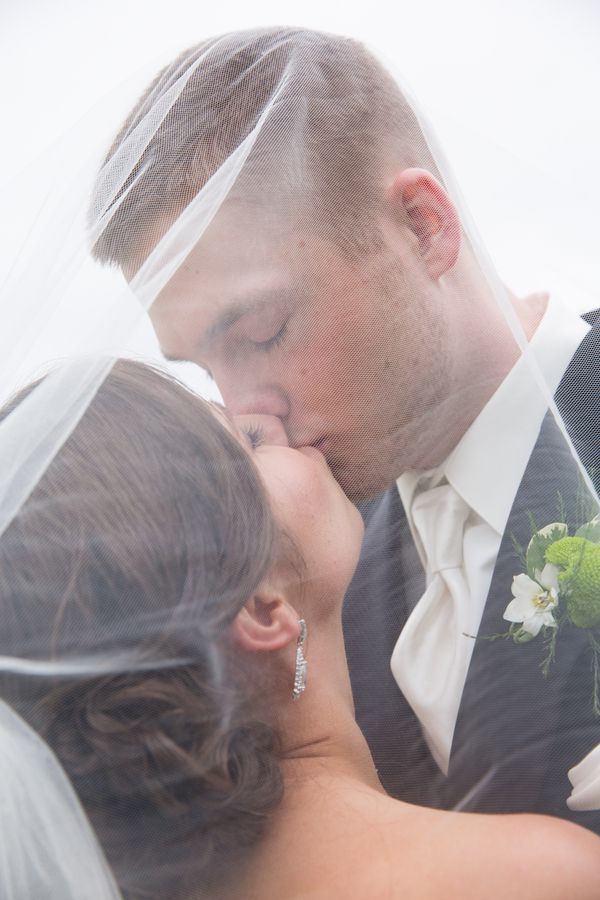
(270, 155)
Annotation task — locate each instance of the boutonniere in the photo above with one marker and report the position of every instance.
(558, 589)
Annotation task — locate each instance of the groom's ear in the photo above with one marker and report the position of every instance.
(266, 623)
(420, 202)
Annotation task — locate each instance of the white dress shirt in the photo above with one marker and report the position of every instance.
(484, 470)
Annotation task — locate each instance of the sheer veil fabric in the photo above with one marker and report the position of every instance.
(256, 174)
(48, 846)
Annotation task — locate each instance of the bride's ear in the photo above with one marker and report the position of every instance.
(267, 622)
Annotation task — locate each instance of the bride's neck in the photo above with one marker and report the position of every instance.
(323, 756)
(319, 734)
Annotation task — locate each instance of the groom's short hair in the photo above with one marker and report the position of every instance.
(355, 125)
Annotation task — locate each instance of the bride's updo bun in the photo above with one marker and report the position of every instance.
(139, 546)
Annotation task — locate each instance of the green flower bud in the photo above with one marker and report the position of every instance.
(521, 636)
(579, 579)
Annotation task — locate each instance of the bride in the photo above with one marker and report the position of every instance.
(169, 564)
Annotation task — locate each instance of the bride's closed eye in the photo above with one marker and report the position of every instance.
(255, 435)
(252, 432)
(261, 428)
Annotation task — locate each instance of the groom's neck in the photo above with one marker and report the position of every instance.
(482, 370)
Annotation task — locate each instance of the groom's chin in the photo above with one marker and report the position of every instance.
(359, 482)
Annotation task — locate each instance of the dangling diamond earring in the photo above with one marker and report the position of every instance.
(301, 664)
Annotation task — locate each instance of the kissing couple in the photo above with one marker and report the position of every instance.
(221, 677)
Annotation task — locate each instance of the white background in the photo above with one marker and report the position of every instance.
(512, 88)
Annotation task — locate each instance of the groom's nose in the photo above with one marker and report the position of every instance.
(253, 402)
(270, 427)
(243, 399)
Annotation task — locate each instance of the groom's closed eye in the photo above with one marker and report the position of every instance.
(256, 322)
(259, 325)
(262, 331)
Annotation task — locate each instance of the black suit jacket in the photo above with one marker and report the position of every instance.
(517, 734)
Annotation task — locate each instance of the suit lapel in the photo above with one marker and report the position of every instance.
(504, 674)
(578, 399)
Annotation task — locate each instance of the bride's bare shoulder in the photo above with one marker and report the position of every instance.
(386, 850)
(358, 843)
(427, 854)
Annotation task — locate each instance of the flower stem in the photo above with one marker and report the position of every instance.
(550, 644)
(595, 645)
(519, 551)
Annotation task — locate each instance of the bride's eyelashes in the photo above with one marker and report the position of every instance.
(255, 435)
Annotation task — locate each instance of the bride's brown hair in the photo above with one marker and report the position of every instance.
(141, 542)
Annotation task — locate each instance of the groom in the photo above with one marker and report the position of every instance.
(337, 294)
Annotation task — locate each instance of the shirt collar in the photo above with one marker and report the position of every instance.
(487, 465)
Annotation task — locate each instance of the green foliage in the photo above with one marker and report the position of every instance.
(518, 550)
(590, 531)
(535, 559)
(579, 560)
(586, 505)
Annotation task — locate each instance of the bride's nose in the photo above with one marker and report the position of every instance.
(271, 427)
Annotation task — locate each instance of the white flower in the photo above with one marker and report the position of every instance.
(585, 778)
(534, 600)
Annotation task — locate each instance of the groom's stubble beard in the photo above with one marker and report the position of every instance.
(417, 411)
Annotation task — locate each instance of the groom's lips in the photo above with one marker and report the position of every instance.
(320, 444)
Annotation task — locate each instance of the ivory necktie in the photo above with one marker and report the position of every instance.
(431, 657)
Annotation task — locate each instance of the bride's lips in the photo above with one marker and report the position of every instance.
(312, 451)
